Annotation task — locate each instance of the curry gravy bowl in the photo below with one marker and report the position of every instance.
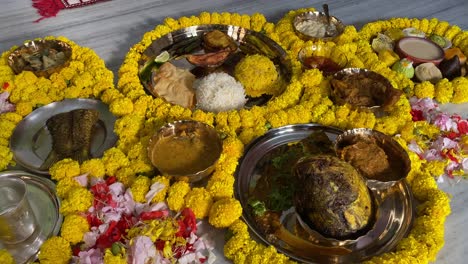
(378, 157)
(187, 150)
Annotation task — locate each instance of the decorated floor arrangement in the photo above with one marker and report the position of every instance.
(119, 208)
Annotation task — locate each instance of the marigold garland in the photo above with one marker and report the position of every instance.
(85, 77)
(143, 115)
(444, 91)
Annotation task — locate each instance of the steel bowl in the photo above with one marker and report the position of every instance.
(187, 150)
(17, 61)
(318, 50)
(398, 159)
(383, 104)
(320, 18)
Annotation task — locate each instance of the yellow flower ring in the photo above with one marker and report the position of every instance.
(444, 91)
(249, 123)
(85, 77)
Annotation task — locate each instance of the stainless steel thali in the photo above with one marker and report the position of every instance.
(184, 41)
(394, 208)
(31, 141)
(46, 205)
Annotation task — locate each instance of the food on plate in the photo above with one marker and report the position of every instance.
(414, 32)
(452, 52)
(439, 40)
(324, 64)
(382, 42)
(389, 57)
(42, 60)
(331, 196)
(451, 68)
(364, 90)
(405, 67)
(218, 92)
(367, 157)
(428, 72)
(71, 134)
(174, 85)
(316, 28)
(212, 59)
(258, 75)
(394, 33)
(216, 40)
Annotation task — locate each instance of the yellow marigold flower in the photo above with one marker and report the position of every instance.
(257, 21)
(176, 194)
(110, 258)
(221, 188)
(78, 200)
(239, 227)
(266, 255)
(12, 117)
(6, 257)
(113, 160)
(6, 157)
(24, 108)
(443, 91)
(421, 184)
(161, 195)
(200, 201)
(239, 246)
(215, 18)
(73, 228)
(121, 106)
(460, 90)
(125, 175)
(224, 212)
(7, 128)
(95, 168)
(436, 167)
(65, 185)
(424, 90)
(55, 250)
(205, 18)
(66, 168)
(110, 95)
(171, 23)
(139, 188)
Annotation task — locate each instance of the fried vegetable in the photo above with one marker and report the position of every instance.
(332, 197)
(216, 40)
(212, 59)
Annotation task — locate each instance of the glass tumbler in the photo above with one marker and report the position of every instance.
(17, 220)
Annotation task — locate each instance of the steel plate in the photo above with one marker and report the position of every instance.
(394, 207)
(31, 141)
(46, 205)
(242, 36)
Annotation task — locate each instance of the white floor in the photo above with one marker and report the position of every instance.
(111, 28)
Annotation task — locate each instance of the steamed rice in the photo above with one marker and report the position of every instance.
(218, 92)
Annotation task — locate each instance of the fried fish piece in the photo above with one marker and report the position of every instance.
(71, 134)
(84, 121)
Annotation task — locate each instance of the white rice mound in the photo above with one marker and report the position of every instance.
(218, 92)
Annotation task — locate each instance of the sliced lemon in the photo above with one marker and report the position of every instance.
(162, 57)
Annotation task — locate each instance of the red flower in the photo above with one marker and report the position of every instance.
(154, 215)
(452, 135)
(93, 220)
(111, 235)
(188, 223)
(462, 127)
(417, 115)
(5, 85)
(110, 180)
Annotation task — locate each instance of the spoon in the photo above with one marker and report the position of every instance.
(328, 31)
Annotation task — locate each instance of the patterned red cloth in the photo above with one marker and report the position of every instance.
(50, 8)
